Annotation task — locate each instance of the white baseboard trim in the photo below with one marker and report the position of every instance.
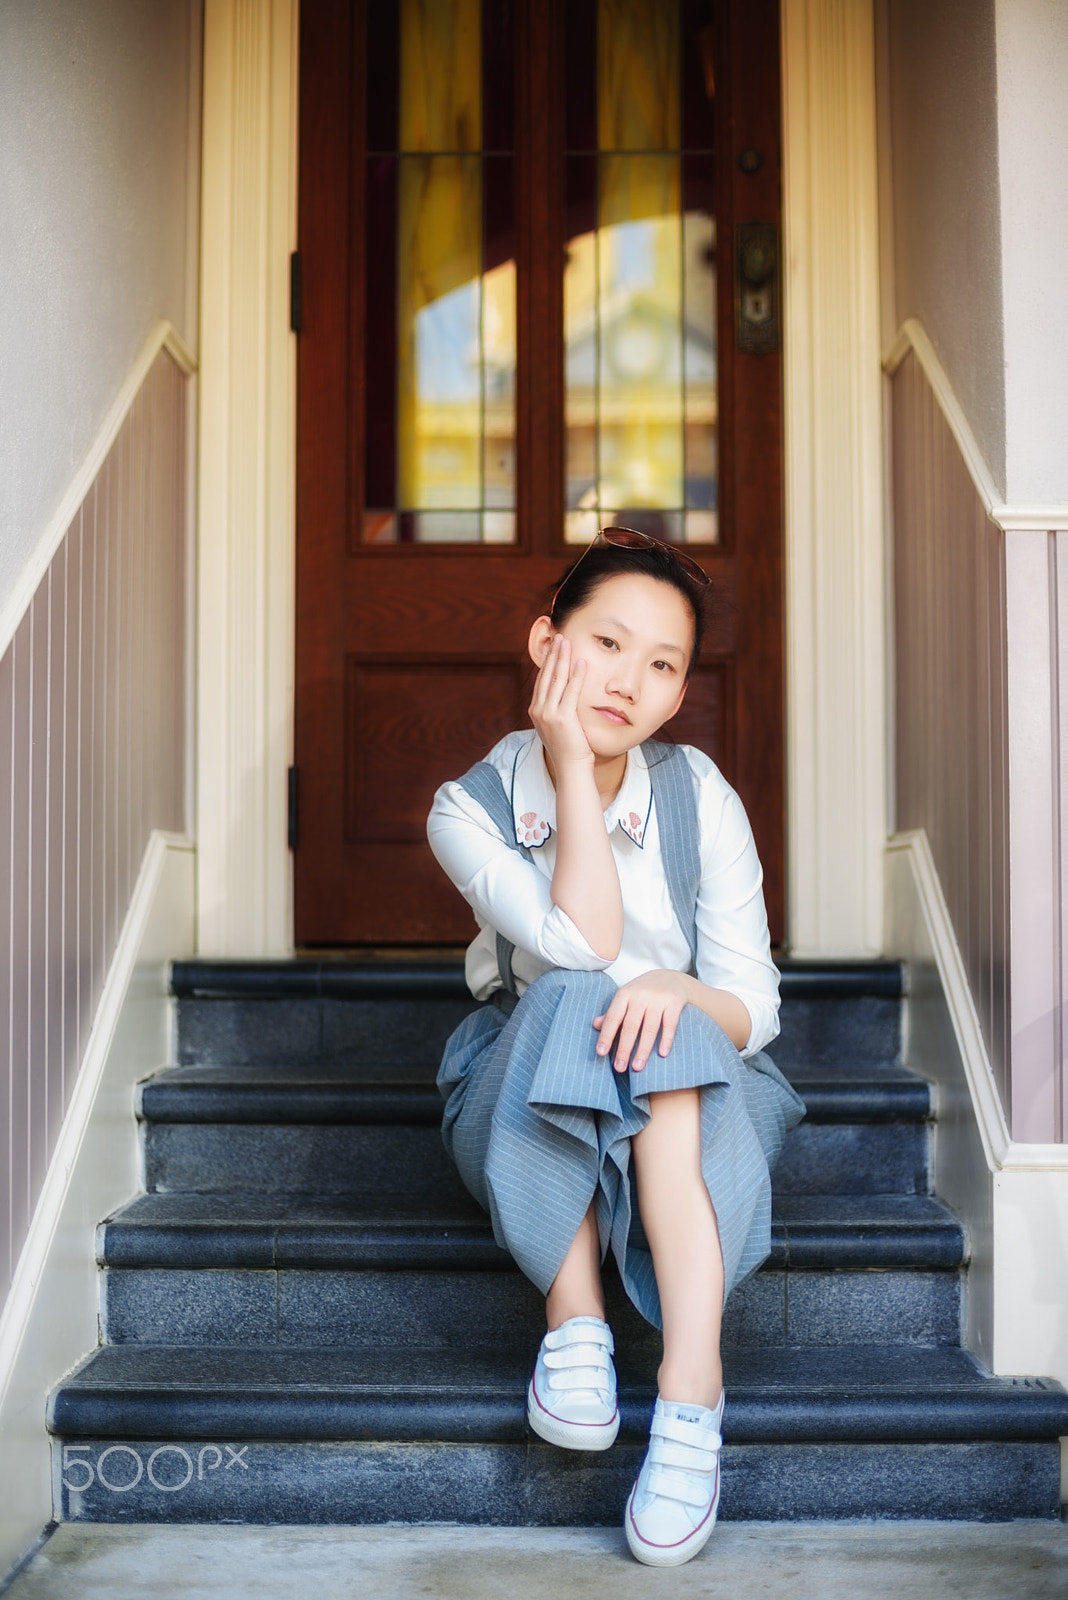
(1003, 1154)
(943, 1043)
(50, 1319)
(1012, 1197)
(164, 336)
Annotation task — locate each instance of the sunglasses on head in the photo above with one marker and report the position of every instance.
(629, 539)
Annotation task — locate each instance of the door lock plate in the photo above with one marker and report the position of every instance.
(758, 323)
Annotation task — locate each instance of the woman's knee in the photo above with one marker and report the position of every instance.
(562, 981)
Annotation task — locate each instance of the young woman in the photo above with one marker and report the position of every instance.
(623, 950)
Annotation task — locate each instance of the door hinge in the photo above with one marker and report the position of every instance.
(294, 291)
(294, 807)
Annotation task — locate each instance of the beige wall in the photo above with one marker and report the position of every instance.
(99, 157)
(1032, 52)
(974, 123)
(939, 109)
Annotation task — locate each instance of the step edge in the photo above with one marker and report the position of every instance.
(191, 1247)
(918, 1416)
(308, 978)
(173, 1103)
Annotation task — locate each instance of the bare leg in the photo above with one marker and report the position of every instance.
(683, 1236)
(576, 1290)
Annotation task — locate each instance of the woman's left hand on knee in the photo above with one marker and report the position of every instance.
(640, 1011)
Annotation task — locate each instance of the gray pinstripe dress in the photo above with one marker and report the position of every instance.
(539, 1125)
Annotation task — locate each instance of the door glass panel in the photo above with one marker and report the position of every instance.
(639, 282)
(439, 432)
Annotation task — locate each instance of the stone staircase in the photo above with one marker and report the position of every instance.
(304, 1317)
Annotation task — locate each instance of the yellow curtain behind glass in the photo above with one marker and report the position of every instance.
(637, 75)
(441, 75)
(633, 187)
(439, 244)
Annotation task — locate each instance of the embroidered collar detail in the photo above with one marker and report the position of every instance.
(634, 825)
(531, 830)
(533, 792)
(633, 804)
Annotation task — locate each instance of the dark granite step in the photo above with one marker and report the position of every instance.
(231, 1270)
(345, 978)
(363, 1436)
(393, 1017)
(371, 1158)
(198, 1230)
(388, 1393)
(294, 1306)
(345, 1095)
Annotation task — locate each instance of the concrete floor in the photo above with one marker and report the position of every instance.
(775, 1561)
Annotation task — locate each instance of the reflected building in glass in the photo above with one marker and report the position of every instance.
(640, 281)
(639, 289)
(439, 452)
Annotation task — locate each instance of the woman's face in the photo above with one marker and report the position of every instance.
(635, 636)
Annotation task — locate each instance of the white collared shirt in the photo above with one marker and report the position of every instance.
(733, 950)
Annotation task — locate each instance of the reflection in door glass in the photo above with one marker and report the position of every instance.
(439, 457)
(640, 278)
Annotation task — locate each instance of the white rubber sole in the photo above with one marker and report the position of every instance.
(669, 1555)
(569, 1435)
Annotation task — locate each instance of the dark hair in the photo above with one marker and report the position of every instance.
(589, 570)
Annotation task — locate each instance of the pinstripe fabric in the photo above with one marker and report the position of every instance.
(539, 1125)
(675, 798)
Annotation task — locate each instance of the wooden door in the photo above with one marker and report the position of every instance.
(411, 621)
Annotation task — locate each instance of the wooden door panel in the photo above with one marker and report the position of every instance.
(412, 725)
(411, 659)
(704, 718)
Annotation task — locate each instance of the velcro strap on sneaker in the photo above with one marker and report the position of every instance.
(664, 1453)
(695, 1434)
(579, 1355)
(581, 1378)
(678, 1486)
(598, 1334)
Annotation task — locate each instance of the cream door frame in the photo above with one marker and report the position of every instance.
(834, 534)
(246, 540)
(836, 718)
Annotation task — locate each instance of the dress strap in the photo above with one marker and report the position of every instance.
(485, 785)
(675, 798)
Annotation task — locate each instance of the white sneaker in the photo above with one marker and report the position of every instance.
(571, 1400)
(672, 1507)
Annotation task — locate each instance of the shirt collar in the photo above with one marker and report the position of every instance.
(534, 798)
(631, 807)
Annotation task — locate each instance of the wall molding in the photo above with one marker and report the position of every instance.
(1035, 614)
(912, 337)
(835, 578)
(164, 336)
(1002, 1152)
(49, 1320)
(245, 609)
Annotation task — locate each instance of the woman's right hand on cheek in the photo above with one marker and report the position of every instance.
(554, 707)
